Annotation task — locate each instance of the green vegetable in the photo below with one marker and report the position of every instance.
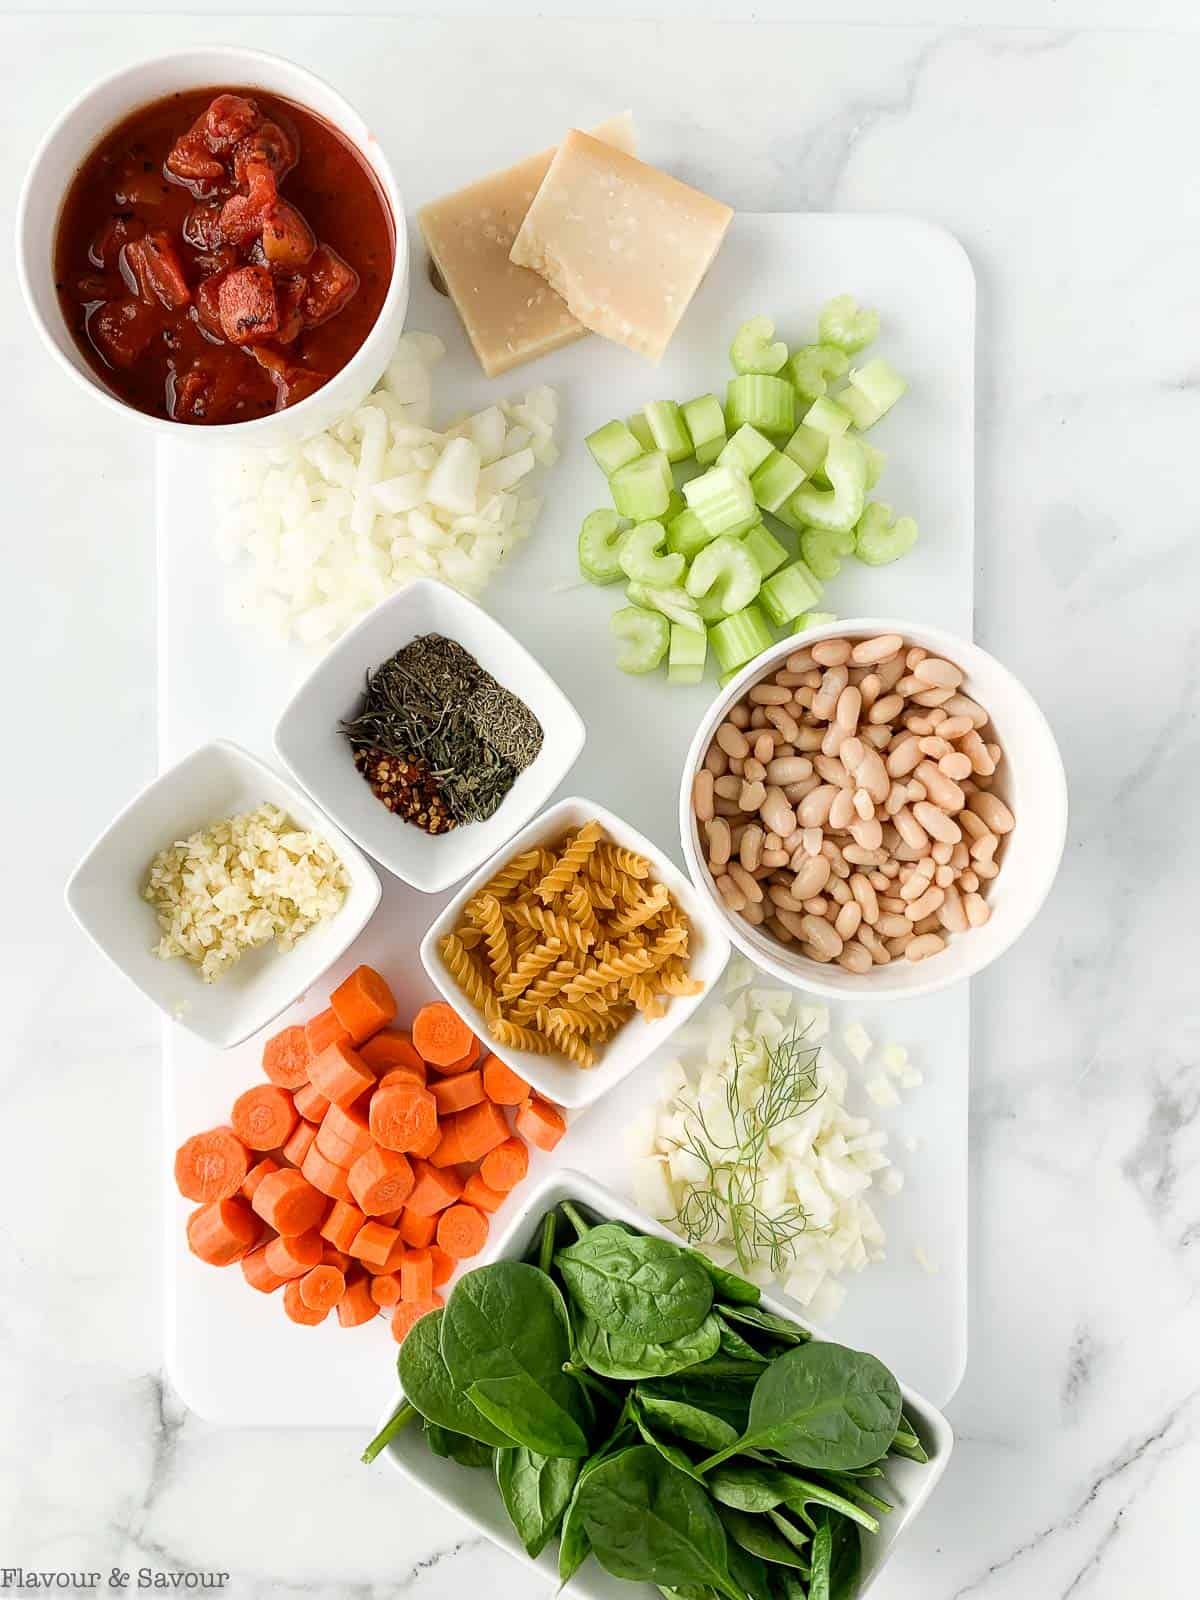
(766, 403)
(746, 450)
(836, 1560)
(812, 619)
(428, 1385)
(728, 571)
(736, 1344)
(526, 1413)
(721, 498)
(839, 508)
(880, 537)
(730, 1289)
(766, 1322)
(657, 1439)
(822, 551)
(766, 549)
(724, 1394)
(828, 417)
(812, 366)
(807, 447)
(676, 604)
(613, 446)
(685, 660)
(635, 1285)
(847, 326)
(775, 481)
(738, 639)
(573, 1548)
(789, 592)
(642, 489)
(639, 558)
(640, 429)
(599, 546)
(547, 1239)
(536, 1491)
(907, 1443)
(760, 1538)
(875, 460)
(457, 1446)
(688, 1422)
(752, 349)
(760, 1488)
(621, 1355)
(705, 421)
(400, 1418)
(646, 636)
(668, 429)
(687, 534)
(872, 391)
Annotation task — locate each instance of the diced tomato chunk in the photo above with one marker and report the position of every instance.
(229, 120)
(293, 382)
(249, 309)
(208, 305)
(191, 159)
(206, 392)
(268, 146)
(332, 282)
(122, 330)
(158, 271)
(288, 241)
(290, 289)
(106, 247)
(202, 225)
(242, 215)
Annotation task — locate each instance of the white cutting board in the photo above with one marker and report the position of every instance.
(231, 1353)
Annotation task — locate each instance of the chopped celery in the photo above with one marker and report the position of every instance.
(675, 504)
(847, 325)
(812, 366)
(613, 446)
(675, 604)
(599, 538)
(875, 460)
(642, 489)
(880, 539)
(822, 551)
(765, 548)
(646, 635)
(640, 429)
(739, 638)
(839, 508)
(827, 416)
(812, 619)
(706, 454)
(766, 403)
(687, 534)
(728, 570)
(705, 422)
(807, 448)
(641, 561)
(721, 498)
(775, 481)
(709, 608)
(788, 592)
(861, 412)
(685, 663)
(668, 430)
(876, 387)
(746, 450)
(752, 349)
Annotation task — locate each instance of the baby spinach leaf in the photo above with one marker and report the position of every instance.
(748, 1486)
(618, 1355)
(725, 1397)
(767, 1322)
(907, 1443)
(428, 1385)
(735, 1344)
(788, 1585)
(836, 1560)
(573, 1546)
(820, 1574)
(536, 1491)
(729, 1288)
(795, 1536)
(756, 1535)
(457, 1446)
(508, 1320)
(629, 1284)
(527, 1414)
(750, 1572)
(667, 1448)
(686, 1421)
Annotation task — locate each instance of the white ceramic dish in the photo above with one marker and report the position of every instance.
(473, 1494)
(1033, 784)
(104, 895)
(308, 741)
(86, 121)
(557, 1078)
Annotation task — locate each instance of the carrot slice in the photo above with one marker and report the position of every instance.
(456, 1094)
(505, 1167)
(263, 1116)
(336, 1258)
(258, 1273)
(285, 1058)
(395, 1256)
(323, 1030)
(300, 1142)
(211, 1166)
(433, 1190)
(344, 1135)
(392, 1051)
(477, 1193)
(416, 1275)
(441, 1035)
(260, 1170)
(405, 1074)
(340, 1073)
(380, 1180)
(311, 1104)
(363, 1004)
(322, 1288)
(356, 1306)
(426, 1146)
(288, 1203)
(385, 1290)
(341, 1225)
(449, 1150)
(297, 1310)
(540, 1122)
(501, 1083)
(222, 1232)
(373, 1244)
(410, 1311)
(417, 1232)
(462, 1231)
(480, 1129)
(291, 1258)
(326, 1175)
(402, 1116)
(443, 1265)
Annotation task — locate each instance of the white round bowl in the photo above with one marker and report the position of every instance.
(1032, 783)
(80, 128)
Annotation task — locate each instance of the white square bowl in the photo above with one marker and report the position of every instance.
(309, 741)
(474, 1495)
(561, 1080)
(105, 896)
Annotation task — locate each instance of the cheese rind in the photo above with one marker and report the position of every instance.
(624, 244)
(511, 315)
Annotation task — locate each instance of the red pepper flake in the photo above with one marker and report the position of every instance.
(406, 787)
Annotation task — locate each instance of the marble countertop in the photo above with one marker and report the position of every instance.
(1065, 163)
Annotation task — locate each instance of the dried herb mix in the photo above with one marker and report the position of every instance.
(437, 738)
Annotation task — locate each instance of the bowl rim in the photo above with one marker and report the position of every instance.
(953, 646)
(413, 588)
(397, 292)
(356, 861)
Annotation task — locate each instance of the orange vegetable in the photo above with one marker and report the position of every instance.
(410, 1311)
(395, 1256)
(380, 1180)
(288, 1203)
(504, 1167)
(340, 1073)
(258, 1273)
(385, 1290)
(501, 1083)
(479, 1129)
(456, 1094)
(540, 1122)
(311, 1105)
(462, 1231)
(325, 1175)
(290, 1258)
(363, 1004)
(416, 1275)
(336, 1258)
(222, 1231)
(443, 1265)
(323, 1030)
(300, 1142)
(260, 1170)
(468, 1059)
(417, 1231)
(211, 1166)
(428, 1144)
(449, 1150)
(477, 1193)
(356, 1306)
(341, 1225)
(263, 1117)
(440, 1034)
(405, 1074)
(322, 1288)
(294, 1305)
(433, 1190)
(402, 1115)
(373, 1243)
(392, 1051)
(343, 1135)
(285, 1058)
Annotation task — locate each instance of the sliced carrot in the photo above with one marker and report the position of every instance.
(288, 1203)
(433, 1190)
(481, 1129)
(363, 1004)
(416, 1275)
(297, 1310)
(344, 1134)
(211, 1166)
(285, 1058)
(392, 1051)
(390, 1219)
(222, 1232)
(440, 1034)
(449, 1150)
(322, 1288)
(505, 1167)
(380, 1180)
(258, 1273)
(405, 1074)
(290, 1258)
(456, 1094)
(410, 1311)
(336, 1258)
(263, 1116)
(325, 1175)
(464, 1062)
(341, 1225)
(395, 1256)
(417, 1231)
(477, 1193)
(402, 1116)
(540, 1122)
(260, 1170)
(443, 1265)
(462, 1231)
(300, 1142)
(501, 1083)
(356, 1306)
(311, 1104)
(428, 1144)
(385, 1290)
(373, 1243)
(323, 1030)
(341, 1074)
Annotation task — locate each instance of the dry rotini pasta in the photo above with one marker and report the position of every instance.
(485, 912)
(572, 859)
(529, 967)
(553, 925)
(518, 1038)
(468, 975)
(513, 874)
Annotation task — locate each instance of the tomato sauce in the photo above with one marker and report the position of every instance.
(220, 254)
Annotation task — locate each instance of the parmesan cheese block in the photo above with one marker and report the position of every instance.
(624, 244)
(510, 314)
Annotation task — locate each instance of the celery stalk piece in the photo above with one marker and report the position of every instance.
(641, 489)
(775, 481)
(812, 619)
(668, 430)
(880, 538)
(876, 461)
(705, 421)
(640, 560)
(879, 384)
(752, 349)
(836, 509)
(812, 366)
(685, 660)
(846, 325)
(646, 636)
(746, 450)
(675, 504)
(613, 446)
(744, 526)
(727, 570)
(675, 604)
(739, 638)
(599, 538)
(807, 448)
(687, 534)
(707, 454)
(862, 413)
(827, 416)
(766, 549)
(766, 403)
(721, 498)
(822, 551)
(709, 608)
(788, 592)
(640, 429)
